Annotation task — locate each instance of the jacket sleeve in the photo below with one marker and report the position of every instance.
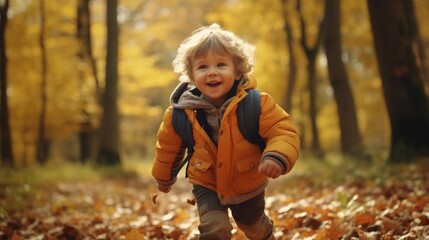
(280, 133)
(169, 151)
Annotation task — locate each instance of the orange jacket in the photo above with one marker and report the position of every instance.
(231, 167)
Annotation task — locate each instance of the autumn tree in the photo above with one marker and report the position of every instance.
(86, 57)
(394, 34)
(291, 81)
(84, 36)
(311, 53)
(5, 136)
(42, 143)
(108, 153)
(351, 141)
(421, 52)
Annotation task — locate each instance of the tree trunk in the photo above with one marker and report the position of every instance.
(86, 57)
(351, 141)
(420, 45)
(86, 139)
(311, 54)
(291, 81)
(406, 102)
(41, 143)
(109, 132)
(84, 35)
(312, 86)
(5, 136)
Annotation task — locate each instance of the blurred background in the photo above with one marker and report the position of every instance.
(87, 81)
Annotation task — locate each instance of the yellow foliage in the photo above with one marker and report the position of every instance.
(150, 33)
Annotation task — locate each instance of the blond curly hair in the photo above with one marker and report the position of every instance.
(213, 38)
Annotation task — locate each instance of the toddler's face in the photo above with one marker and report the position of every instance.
(214, 75)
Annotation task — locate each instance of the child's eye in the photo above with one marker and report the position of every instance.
(221, 65)
(202, 66)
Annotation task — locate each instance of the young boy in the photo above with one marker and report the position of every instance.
(227, 171)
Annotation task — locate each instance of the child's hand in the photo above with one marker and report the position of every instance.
(270, 168)
(164, 189)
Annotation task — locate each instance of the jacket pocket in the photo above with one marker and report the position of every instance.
(201, 170)
(246, 177)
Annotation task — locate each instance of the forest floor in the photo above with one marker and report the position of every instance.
(316, 201)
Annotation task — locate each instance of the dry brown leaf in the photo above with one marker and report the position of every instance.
(311, 223)
(322, 235)
(337, 230)
(154, 197)
(389, 224)
(191, 201)
(364, 218)
(15, 236)
(176, 233)
(134, 234)
(113, 209)
(70, 232)
(424, 220)
(157, 232)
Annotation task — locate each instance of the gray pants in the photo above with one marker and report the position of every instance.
(214, 220)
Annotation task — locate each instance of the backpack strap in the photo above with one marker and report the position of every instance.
(183, 128)
(248, 112)
(202, 120)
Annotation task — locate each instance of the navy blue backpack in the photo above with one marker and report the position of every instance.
(248, 111)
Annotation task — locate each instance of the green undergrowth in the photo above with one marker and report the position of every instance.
(332, 169)
(67, 171)
(19, 185)
(339, 170)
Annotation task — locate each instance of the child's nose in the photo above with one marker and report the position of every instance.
(212, 71)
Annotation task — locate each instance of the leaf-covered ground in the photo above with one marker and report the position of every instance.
(326, 203)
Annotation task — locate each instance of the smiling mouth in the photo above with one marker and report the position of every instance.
(214, 84)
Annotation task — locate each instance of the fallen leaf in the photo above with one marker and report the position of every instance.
(311, 223)
(191, 201)
(134, 234)
(389, 224)
(154, 197)
(176, 233)
(337, 230)
(70, 232)
(15, 236)
(364, 218)
(112, 208)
